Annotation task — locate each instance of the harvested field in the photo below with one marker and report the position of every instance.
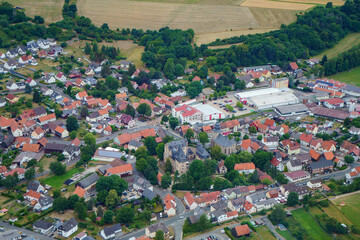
(276, 5)
(50, 10)
(153, 15)
(317, 2)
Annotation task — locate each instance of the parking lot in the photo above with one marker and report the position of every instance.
(231, 100)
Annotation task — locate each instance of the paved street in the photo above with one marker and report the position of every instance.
(25, 231)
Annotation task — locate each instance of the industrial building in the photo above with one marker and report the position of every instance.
(291, 110)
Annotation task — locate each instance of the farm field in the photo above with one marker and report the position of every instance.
(50, 10)
(276, 4)
(308, 223)
(345, 44)
(351, 76)
(351, 209)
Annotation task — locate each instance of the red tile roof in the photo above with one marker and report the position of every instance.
(119, 169)
(32, 194)
(242, 230)
(79, 191)
(244, 166)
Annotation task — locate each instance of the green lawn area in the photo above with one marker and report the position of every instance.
(308, 223)
(285, 234)
(351, 209)
(265, 233)
(345, 44)
(58, 181)
(351, 76)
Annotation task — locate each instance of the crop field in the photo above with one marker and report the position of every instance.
(308, 223)
(350, 207)
(276, 4)
(50, 10)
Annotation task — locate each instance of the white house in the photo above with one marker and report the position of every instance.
(31, 82)
(49, 78)
(61, 77)
(245, 168)
(24, 59)
(12, 86)
(314, 184)
(110, 232)
(43, 227)
(189, 200)
(10, 65)
(45, 202)
(294, 165)
(68, 228)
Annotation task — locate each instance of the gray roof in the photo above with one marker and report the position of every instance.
(218, 213)
(321, 164)
(68, 225)
(351, 88)
(287, 109)
(113, 154)
(303, 157)
(176, 144)
(42, 224)
(45, 200)
(201, 152)
(142, 182)
(256, 197)
(295, 163)
(94, 115)
(135, 143)
(125, 62)
(147, 193)
(224, 141)
(40, 110)
(112, 229)
(33, 185)
(270, 201)
(219, 205)
(292, 187)
(88, 181)
(157, 227)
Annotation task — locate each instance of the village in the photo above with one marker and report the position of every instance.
(68, 138)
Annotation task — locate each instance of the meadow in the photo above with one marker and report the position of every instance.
(58, 181)
(351, 76)
(351, 207)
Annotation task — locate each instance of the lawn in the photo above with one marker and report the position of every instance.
(309, 224)
(265, 233)
(285, 234)
(351, 209)
(345, 44)
(58, 181)
(351, 76)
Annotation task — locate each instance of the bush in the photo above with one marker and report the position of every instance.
(324, 203)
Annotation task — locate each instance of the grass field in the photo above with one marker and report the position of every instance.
(351, 209)
(308, 223)
(265, 233)
(50, 10)
(58, 181)
(351, 76)
(285, 234)
(345, 44)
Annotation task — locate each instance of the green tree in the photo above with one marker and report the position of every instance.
(11, 181)
(60, 204)
(72, 124)
(166, 181)
(252, 130)
(215, 153)
(349, 159)
(36, 96)
(130, 110)
(84, 111)
(90, 139)
(28, 89)
(112, 198)
(203, 138)
(239, 105)
(160, 150)
(112, 182)
(151, 144)
(87, 49)
(125, 215)
(278, 214)
(61, 157)
(30, 174)
(174, 122)
(168, 166)
(100, 211)
(179, 70)
(56, 193)
(73, 134)
(164, 119)
(292, 199)
(108, 216)
(189, 134)
(80, 209)
(159, 235)
(144, 109)
(57, 168)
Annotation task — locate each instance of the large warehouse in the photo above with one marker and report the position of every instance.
(268, 98)
(291, 110)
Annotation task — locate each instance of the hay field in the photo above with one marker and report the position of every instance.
(276, 5)
(50, 10)
(317, 2)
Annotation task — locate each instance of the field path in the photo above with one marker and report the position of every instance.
(345, 195)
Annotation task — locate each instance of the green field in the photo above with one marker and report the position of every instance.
(265, 233)
(351, 209)
(285, 234)
(308, 223)
(351, 76)
(58, 181)
(345, 44)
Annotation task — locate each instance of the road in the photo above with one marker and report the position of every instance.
(25, 231)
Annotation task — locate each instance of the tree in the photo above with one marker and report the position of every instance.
(72, 124)
(57, 168)
(323, 60)
(349, 159)
(11, 181)
(144, 109)
(166, 181)
(239, 105)
(159, 235)
(105, 70)
(108, 216)
(84, 112)
(278, 214)
(90, 139)
(252, 130)
(28, 88)
(87, 49)
(125, 215)
(31, 163)
(168, 166)
(293, 199)
(215, 153)
(36, 96)
(30, 174)
(189, 134)
(179, 70)
(151, 144)
(174, 122)
(56, 193)
(60, 204)
(164, 119)
(130, 110)
(80, 209)
(72, 200)
(112, 182)
(73, 134)
(203, 138)
(112, 198)
(259, 137)
(61, 157)
(160, 150)
(100, 211)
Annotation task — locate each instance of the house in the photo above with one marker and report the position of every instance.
(294, 165)
(68, 228)
(278, 164)
(47, 119)
(266, 204)
(242, 230)
(207, 198)
(301, 190)
(189, 200)
(2, 103)
(272, 194)
(227, 146)
(61, 132)
(320, 167)
(170, 206)
(186, 113)
(291, 147)
(12, 98)
(60, 77)
(81, 95)
(245, 168)
(297, 176)
(271, 142)
(333, 103)
(354, 130)
(31, 82)
(37, 133)
(35, 186)
(151, 230)
(88, 182)
(79, 82)
(122, 171)
(10, 65)
(221, 168)
(32, 196)
(305, 139)
(314, 184)
(12, 86)
(49, 78)
(125, 64)
(28, 147)
(149, 194)
(111, 231)
(256, 197)
(43, 227)
(20, 172)
(312, 128)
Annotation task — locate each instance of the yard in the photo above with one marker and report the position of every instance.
(265, 233)
(350, 207)
(285, 234)
(308, 223)
(58, 181)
